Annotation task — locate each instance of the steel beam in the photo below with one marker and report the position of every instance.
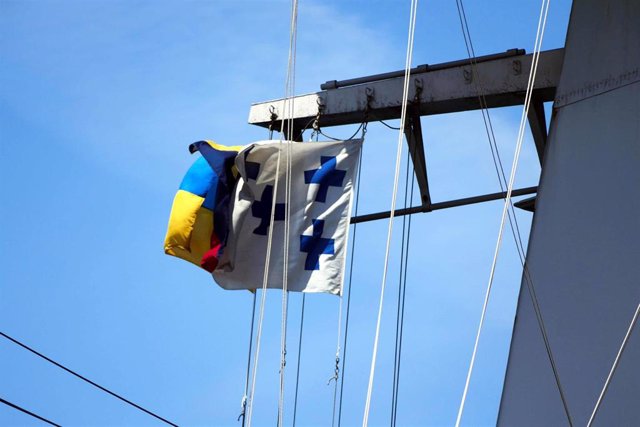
(435, 89)
(538, 125)
(413, 133)
(443, 205)
(444, 90)
(334, 84)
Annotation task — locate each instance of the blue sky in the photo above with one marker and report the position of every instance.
(98, 103)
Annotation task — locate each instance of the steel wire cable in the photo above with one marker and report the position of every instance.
(403, 115)
(346, 322)
(295, 399)
(246, 385)
(404, 295)
(511, 213)
(87, 380)
(605, 387)
(402, 244)
(288, 101)
(34, 415)
(402, 281)
(536, 54)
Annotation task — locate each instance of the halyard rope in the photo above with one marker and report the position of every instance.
(405, 98)
(289, 85)
(534, 65)
(289, 101)
(263, 297)
(246, 384)
(346, 320)
(511, 214)
(614, 366)
(402, 292)
(295, 399)
(336, 373)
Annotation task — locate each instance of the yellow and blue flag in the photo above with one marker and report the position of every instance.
(199, 221)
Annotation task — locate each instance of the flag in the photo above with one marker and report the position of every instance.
(322, 175)
(198, 224)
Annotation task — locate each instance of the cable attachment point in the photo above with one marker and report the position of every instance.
(273, 117)
(283, 364)
(316, 122)
(243, 406)
(367, 108)
(419, 87)
(336, 373)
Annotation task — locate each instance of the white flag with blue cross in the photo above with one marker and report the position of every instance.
(322, 177)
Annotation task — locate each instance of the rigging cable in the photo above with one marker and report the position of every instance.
(336, 373)
(536, 54)
(85, 379)
(21, 409)
(404, 295)
(513, 220)
(339, 139)
(388, 125)
(283, 360)
(402, 285)
(405, 97)
(288, 85)
(346, 322)
(614, 366)
(402, 245)
(295, 399)
(263, 296)
(246, 384)
(289, 96)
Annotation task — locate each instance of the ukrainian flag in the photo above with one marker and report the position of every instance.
(199, 221)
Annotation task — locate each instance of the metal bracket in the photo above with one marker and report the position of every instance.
(443, 205)
(413, 133)
(538, 125)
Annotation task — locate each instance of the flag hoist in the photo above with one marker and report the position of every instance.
(221, 214)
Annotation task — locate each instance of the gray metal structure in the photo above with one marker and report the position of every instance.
(584, 247)
(434, 89)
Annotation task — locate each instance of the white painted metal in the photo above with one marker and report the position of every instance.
(584, 250)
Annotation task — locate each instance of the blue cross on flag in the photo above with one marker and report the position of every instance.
(322, 176)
